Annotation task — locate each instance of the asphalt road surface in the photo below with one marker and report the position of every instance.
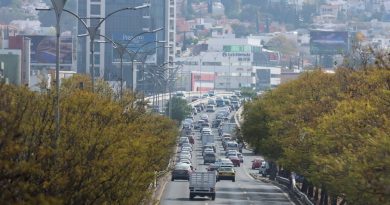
(245, 190)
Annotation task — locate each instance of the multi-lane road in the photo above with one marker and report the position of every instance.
(245, 190)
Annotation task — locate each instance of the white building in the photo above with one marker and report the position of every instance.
(228, 64)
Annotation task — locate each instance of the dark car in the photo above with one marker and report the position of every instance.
(181, 171)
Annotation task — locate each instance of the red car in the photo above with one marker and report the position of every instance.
(256, 163)
(235, 160)
(191, 139)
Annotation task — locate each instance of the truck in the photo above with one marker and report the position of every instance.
(227, 128)
(207, 138)
(202, 184)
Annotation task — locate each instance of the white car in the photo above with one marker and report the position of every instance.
(186, 149)
(185, 161)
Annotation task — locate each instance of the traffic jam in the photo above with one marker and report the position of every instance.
(209, 132)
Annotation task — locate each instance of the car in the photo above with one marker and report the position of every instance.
(207, 150)
(195, 98)
(198, 124)
(191, 138)
(187, 144)
(211, 93)
(210, 108)
(231, 145)
(211, 102)
(220, 102)
(263, 170)
(241, 157)
(186, 149)
(205, 95)
(204, 117)
(183, 140)
(230, 152)
(181, 95)
(235, 160)
(256, 163)
(185, 154)
(224, 162)
(199, 107)
(209, 157)
(181, 171)
(216, 123)
(234, 97)
(225, 172)
(185, 161)
(212, 167)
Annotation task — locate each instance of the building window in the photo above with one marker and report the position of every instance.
(95, 9)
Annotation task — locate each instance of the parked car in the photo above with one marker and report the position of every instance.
(256, 163)
(263, 170)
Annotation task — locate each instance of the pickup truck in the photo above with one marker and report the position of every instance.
(202, 184)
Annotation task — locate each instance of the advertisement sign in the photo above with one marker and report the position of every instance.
(43, 50)
(133, 44)
(328, 42)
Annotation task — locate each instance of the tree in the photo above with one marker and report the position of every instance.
(107, 151)
(179, 109)
(232, 8)
(330, 128)
(282, 44)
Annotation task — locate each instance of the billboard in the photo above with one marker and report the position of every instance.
(328, 42)
(43, 50)
(133, 44)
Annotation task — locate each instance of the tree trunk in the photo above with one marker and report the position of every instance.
(304, 186)
(310, 191)
(333, 200)
(326, 198)
(316, 195)
(273, 171)
(323, 195)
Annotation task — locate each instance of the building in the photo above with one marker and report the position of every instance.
(10, 65)
(121, 27)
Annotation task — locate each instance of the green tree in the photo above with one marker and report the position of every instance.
(179, 109)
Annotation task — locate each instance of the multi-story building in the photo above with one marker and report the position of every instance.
(121, 27)
(229, 64)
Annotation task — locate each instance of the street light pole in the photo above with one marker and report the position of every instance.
(58, 6)
(134, 57)
(93, 33)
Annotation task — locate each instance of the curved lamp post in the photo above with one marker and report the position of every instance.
(93, 33)
(134, 57)
(58, 6)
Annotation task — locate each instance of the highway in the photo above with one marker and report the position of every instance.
(244, 191)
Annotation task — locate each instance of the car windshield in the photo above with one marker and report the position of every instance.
(226, 169)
